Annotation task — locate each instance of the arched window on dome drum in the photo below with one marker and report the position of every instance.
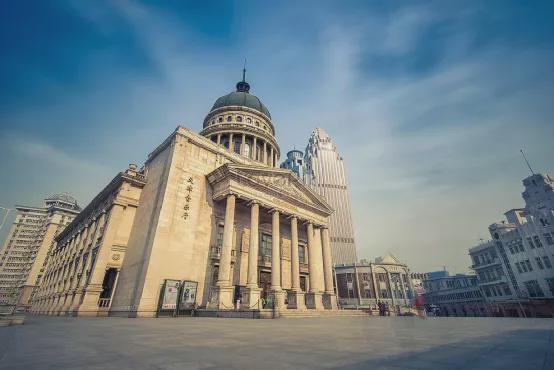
(249, 120)
(239, 119)
(229, 118)
(220, 119)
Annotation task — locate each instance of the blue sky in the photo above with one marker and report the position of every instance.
(429, 103)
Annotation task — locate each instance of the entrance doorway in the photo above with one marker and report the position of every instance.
(265, 283)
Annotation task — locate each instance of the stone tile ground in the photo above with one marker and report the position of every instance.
(308, 343)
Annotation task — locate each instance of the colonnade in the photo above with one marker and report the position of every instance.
(259, 149)
(319, 263)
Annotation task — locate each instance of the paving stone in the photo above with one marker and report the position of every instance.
(301, 343)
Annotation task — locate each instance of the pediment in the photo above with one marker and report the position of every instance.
(279, 180)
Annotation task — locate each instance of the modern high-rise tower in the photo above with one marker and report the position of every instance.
(26, 249)
(324, 172)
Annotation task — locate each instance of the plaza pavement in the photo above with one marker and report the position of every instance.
(302, 343)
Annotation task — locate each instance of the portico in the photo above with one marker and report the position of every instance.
(277, 195)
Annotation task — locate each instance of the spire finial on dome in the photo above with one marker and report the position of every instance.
(244, 71)
(243, 86)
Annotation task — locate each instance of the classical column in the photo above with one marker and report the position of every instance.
(295, 266)
(277, 293)
(275, 253)
(271, 164)
(314, 297)
(328, 268)
(231, 143)
(389, 281)
(264, 159)
(251, 296)
(255, 149)
(243, 144)
(219, 139)
(224, 290)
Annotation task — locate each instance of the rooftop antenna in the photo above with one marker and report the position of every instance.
(526, 161)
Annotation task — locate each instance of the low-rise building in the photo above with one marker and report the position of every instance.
(365, 283)
(84, 265)
(457, 295)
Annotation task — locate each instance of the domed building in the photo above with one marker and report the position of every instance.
(209, 223)
(241, 123)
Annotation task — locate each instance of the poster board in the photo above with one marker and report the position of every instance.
(170, 293)
(187, 300)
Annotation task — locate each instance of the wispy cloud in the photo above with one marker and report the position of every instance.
(428, 109)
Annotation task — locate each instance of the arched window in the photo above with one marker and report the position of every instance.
(219, 119)
(258, 123)
(239, 119)
(229, 118)
(249, 120)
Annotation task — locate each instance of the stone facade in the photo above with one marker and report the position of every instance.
(210, 209)
(84, 265)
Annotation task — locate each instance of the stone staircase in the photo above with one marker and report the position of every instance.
(325, 313)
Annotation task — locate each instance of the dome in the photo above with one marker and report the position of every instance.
(64, 197)
(241, 98)
(387, 259)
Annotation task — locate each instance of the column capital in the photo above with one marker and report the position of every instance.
(252, 202)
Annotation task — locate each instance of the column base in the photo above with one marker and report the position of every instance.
(278, 297)
(297, 301)
(222, 298)
(330, 301)
(314, 301)
(250, 299)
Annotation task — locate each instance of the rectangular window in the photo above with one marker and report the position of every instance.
(538, 241)
(539, 263)
(219, 236)
(546, 261)
(528, 263)
(550, 282)
(549, 239)
(530, 242)
(301, 254)
(507, 290)
(534, 289)
(266, 246)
